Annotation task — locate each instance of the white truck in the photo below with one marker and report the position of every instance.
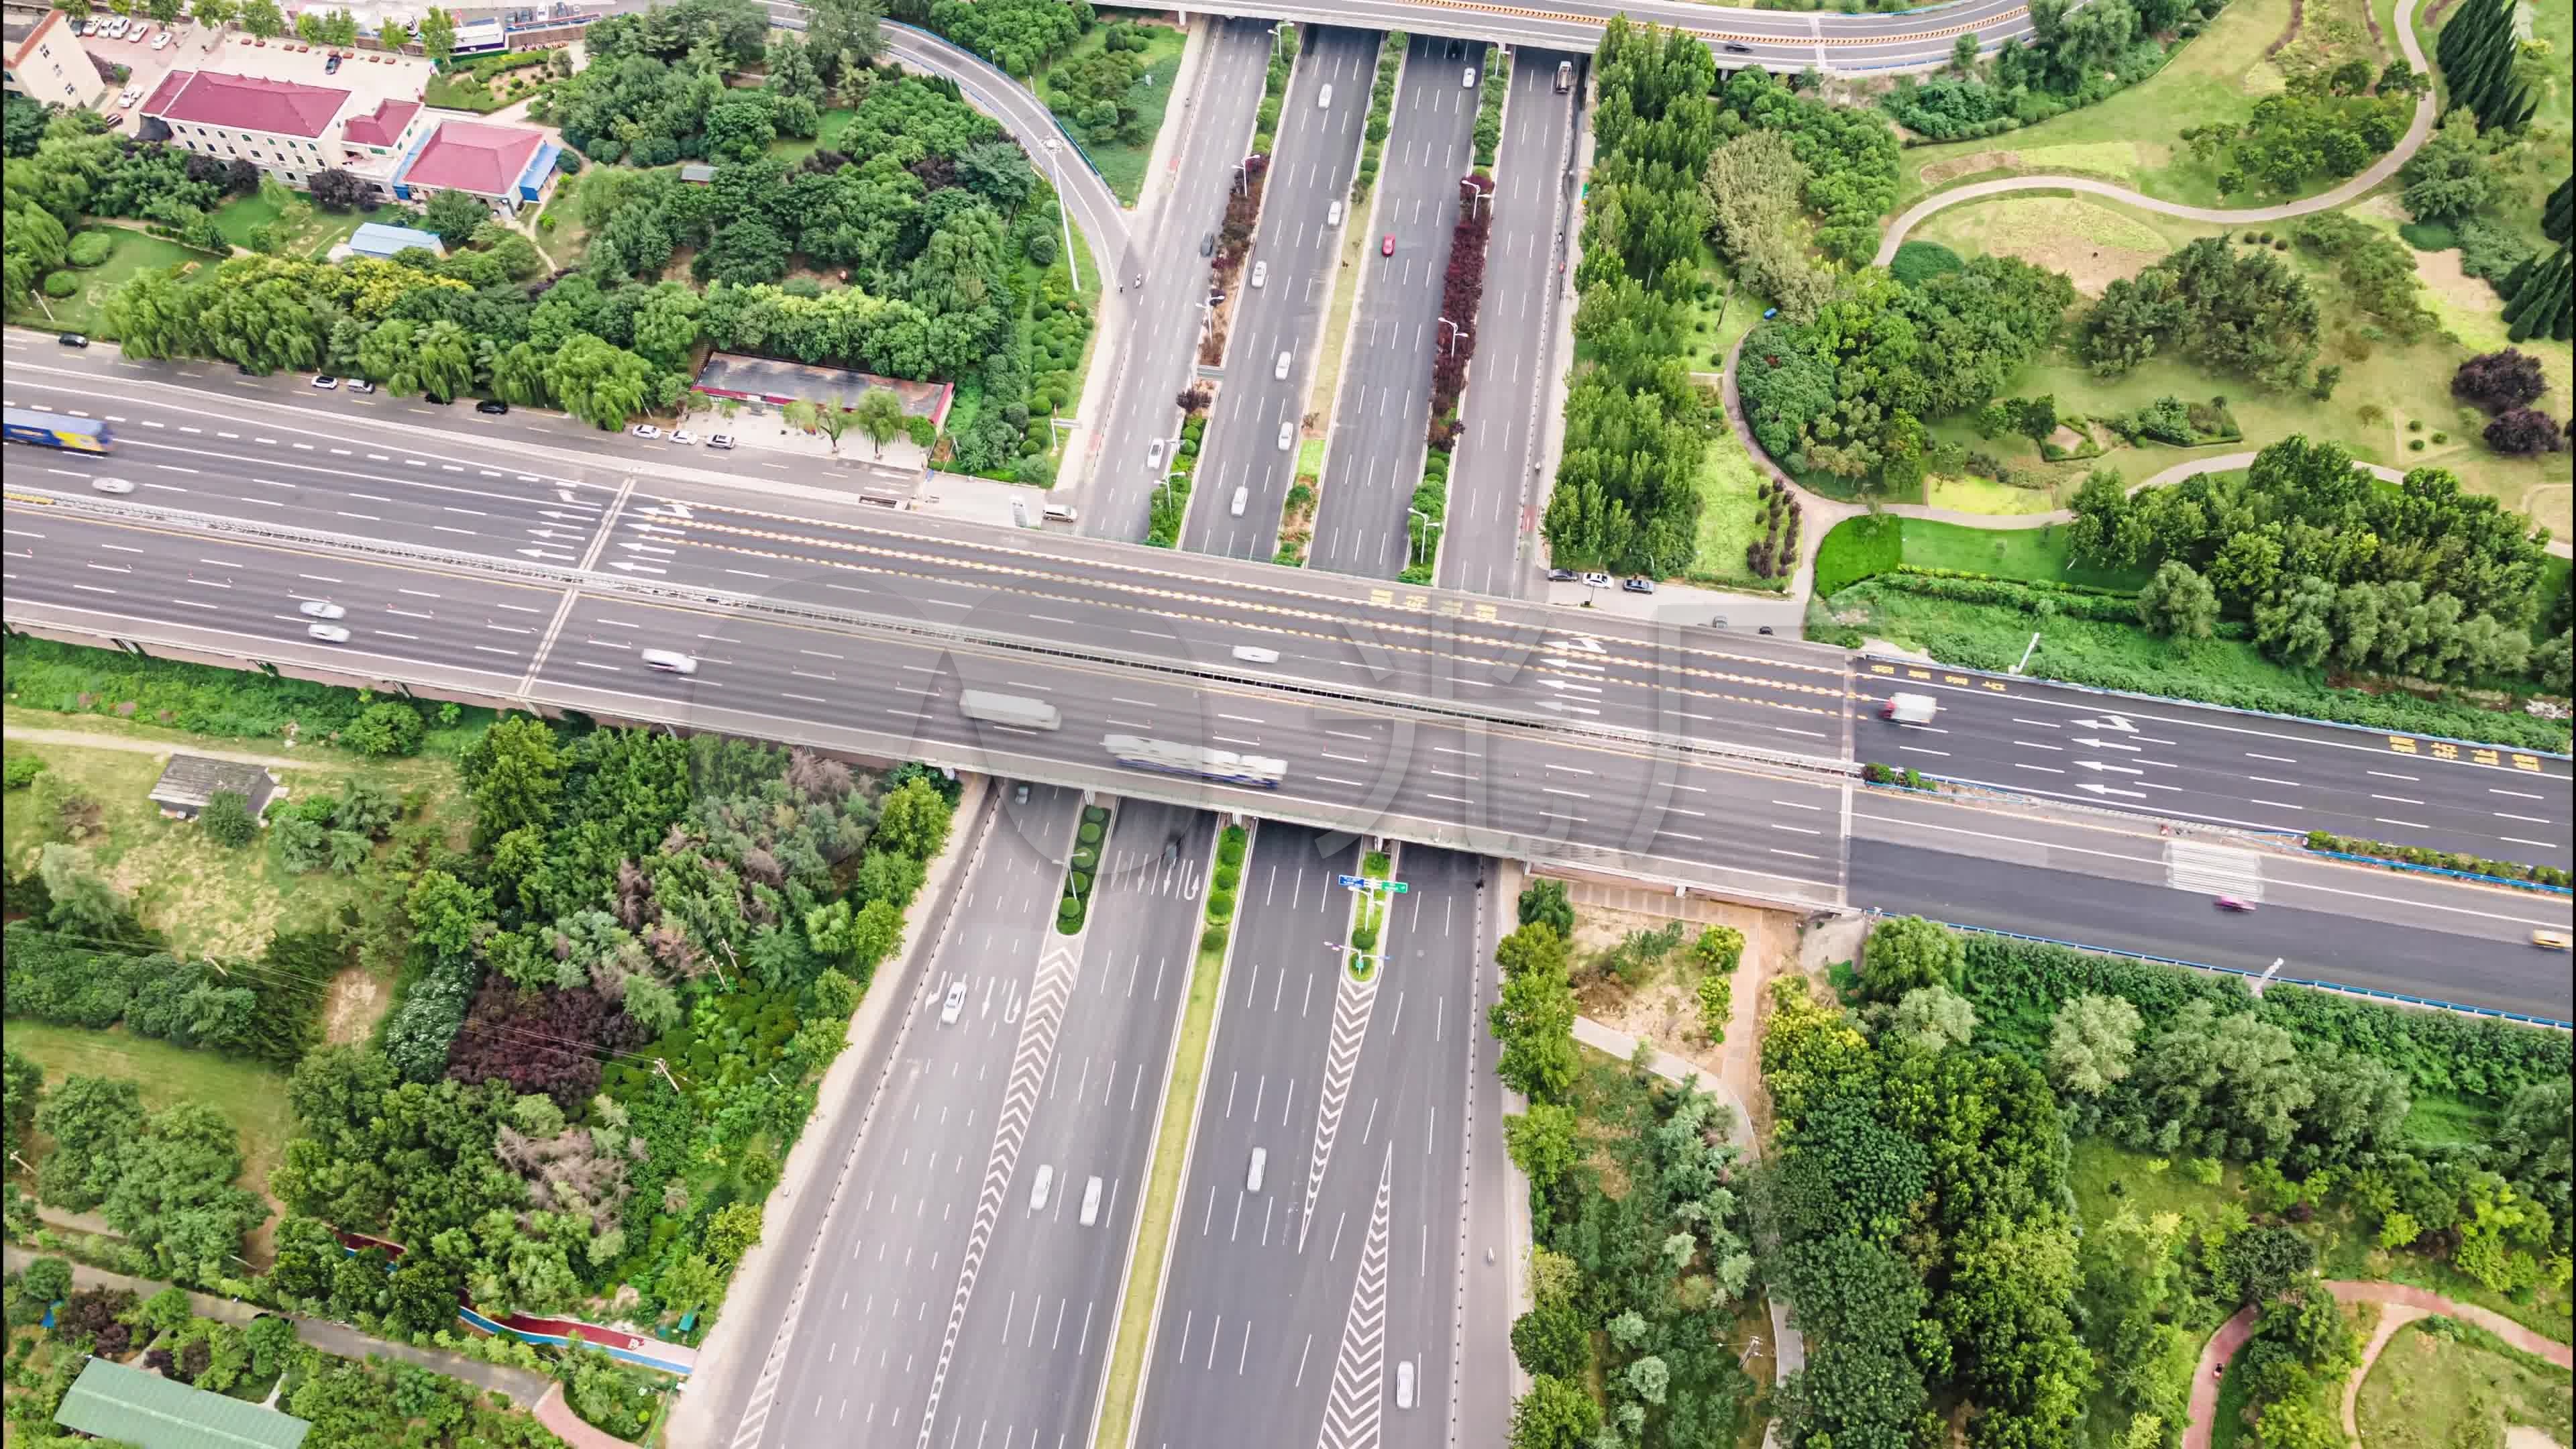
(1910, 709)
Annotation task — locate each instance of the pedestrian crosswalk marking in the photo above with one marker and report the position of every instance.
(2214, 870)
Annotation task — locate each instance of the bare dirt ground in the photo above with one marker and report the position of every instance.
(349, 1012)
(1664, 1009)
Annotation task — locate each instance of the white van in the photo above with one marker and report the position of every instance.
(1039, 1189)
(1260, 1160)
(667, 661)
(1091, 1201)
(1242, 496)
(1058, 513)
(1404, 1384)
(1255, 654)
(1333, 214)
(1324, 99)
(1279, 370)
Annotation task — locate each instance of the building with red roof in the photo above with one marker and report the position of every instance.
(289, 129)
(507, 166)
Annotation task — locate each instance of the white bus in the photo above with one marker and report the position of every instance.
(1014, 710)
(1224, 766)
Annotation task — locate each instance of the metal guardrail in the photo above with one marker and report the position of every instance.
(564, 577)
(2334, 986)
(2407, 865)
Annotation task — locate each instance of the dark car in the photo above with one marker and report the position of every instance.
(1638, 585)
(331, 66)
(493, 406)
(1456, 50)
(1562, 576)
(1207, 245)
(72, 339)
(1737, 47)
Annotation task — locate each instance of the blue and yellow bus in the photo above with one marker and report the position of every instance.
(53, 430)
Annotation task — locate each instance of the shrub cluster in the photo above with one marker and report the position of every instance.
(1081, 869)
(2439, 859)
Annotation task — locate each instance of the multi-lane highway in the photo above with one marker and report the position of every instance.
(1383, 412)
(1294, 246)
(947, 1300)
(1294, 1301)
(1542, 673)
(1153, 341)
(1493, 476)
(1776, 40)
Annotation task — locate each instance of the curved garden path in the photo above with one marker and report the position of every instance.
(2405, 1304)
(2378, 171)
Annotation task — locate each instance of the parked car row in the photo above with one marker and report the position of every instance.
(131, 29)
(682, 436)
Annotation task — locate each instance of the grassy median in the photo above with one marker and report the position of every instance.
(1163, 1182)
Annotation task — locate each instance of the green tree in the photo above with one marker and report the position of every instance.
(879, 416)
(1543, 902)
(226, 819)
(1550, 1341)
(1544, 1142)
(22, 1086)
(89, 1120)
(2091, 1045)
(1907, 953)
(514, 773)
(437, 35)
(1932, 1018)
(2178, 601)
(600, 384)
(1554, 1414)
(447, 914)
(455, 214)
(913, 820)
(262, 18)
(1534, 1021)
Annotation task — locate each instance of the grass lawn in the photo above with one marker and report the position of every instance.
(1859, 547)
(2091, 240)
(1162, 1198)
(2131, 138)
(136, 252)
(1123, 166)
(251, 1097)
(2432, 1391)
(1730, 519)
(205, 897)
(242, 215)
(460, 91)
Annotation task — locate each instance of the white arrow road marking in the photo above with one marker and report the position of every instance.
(1059, 968)
(1354, 1415)
(1352, 1003)
(2099, 765)
(2107, 790)
(2107, 722)
(2108, 745)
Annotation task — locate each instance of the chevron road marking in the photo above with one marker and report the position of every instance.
(2213, 870)
(1352, 1003)
(1355, 1413)
(1059, 968)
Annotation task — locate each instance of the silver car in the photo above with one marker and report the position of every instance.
(321, 609)
(110, 485)
(954, 1006)
(667, 661)
(327, 633)
(1287, 436)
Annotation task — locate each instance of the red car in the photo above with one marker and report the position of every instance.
(2235, 903)
(1386, 247)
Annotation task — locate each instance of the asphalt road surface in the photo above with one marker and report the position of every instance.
(2111, 884)
(280, 455)
(1775, 40)
(1295, 245)
(1493, 470)
(1290, 1305)
(1055, 1066)
(1157, 350)
(1383, 412)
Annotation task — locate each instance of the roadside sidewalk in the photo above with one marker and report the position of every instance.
(523, 1387)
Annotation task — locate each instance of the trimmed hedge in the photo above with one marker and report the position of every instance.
(2439, 859)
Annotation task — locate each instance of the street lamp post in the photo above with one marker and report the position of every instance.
(1474, 195)
(1055, 160)
(1455, 332)
(1421, 537)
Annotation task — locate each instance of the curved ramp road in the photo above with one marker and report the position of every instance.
(2386, 166)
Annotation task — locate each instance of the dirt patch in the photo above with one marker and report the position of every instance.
(1969, 165)
(350, 1009)
(2523, 1436)
(1664, 1008)
(2441, 272)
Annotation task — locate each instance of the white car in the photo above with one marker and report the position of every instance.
(684, 438)
(111, 485)
(954, 1005)
(722, 442)
(161, 41)
(1260, 273)
(1287, 436)
(645, 430)
(667, 661)
(1154, 455)
(321, 609)
(327, 633)
(325, 383)
(126, 101)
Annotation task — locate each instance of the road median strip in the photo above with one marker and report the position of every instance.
(1175, 1143)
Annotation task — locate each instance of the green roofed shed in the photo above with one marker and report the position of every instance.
(112, 1401)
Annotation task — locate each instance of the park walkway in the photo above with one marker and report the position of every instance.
(2418, 131)
(2405, 1304)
